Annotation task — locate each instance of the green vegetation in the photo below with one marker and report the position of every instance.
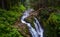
(11, 10)
(50, 21)
(7, 20)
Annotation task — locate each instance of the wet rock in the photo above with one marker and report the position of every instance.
(22, 28)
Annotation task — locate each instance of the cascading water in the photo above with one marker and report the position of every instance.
(35, 32)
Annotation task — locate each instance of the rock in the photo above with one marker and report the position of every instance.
(22, 28)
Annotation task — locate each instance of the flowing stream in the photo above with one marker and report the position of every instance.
(35, 32)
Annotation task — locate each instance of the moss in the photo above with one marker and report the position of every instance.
(31, 21)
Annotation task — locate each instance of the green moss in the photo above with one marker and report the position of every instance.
(31, 21)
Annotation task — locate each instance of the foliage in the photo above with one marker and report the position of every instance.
(7, 19)
(11, 10)
(8, 31)
(22, 8)
(54, 20)
(50, 19)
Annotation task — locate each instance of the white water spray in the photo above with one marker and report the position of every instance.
(35, 32)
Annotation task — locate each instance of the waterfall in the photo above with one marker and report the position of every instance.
(35, 32)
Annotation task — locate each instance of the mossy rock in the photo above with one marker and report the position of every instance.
(30, 20)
